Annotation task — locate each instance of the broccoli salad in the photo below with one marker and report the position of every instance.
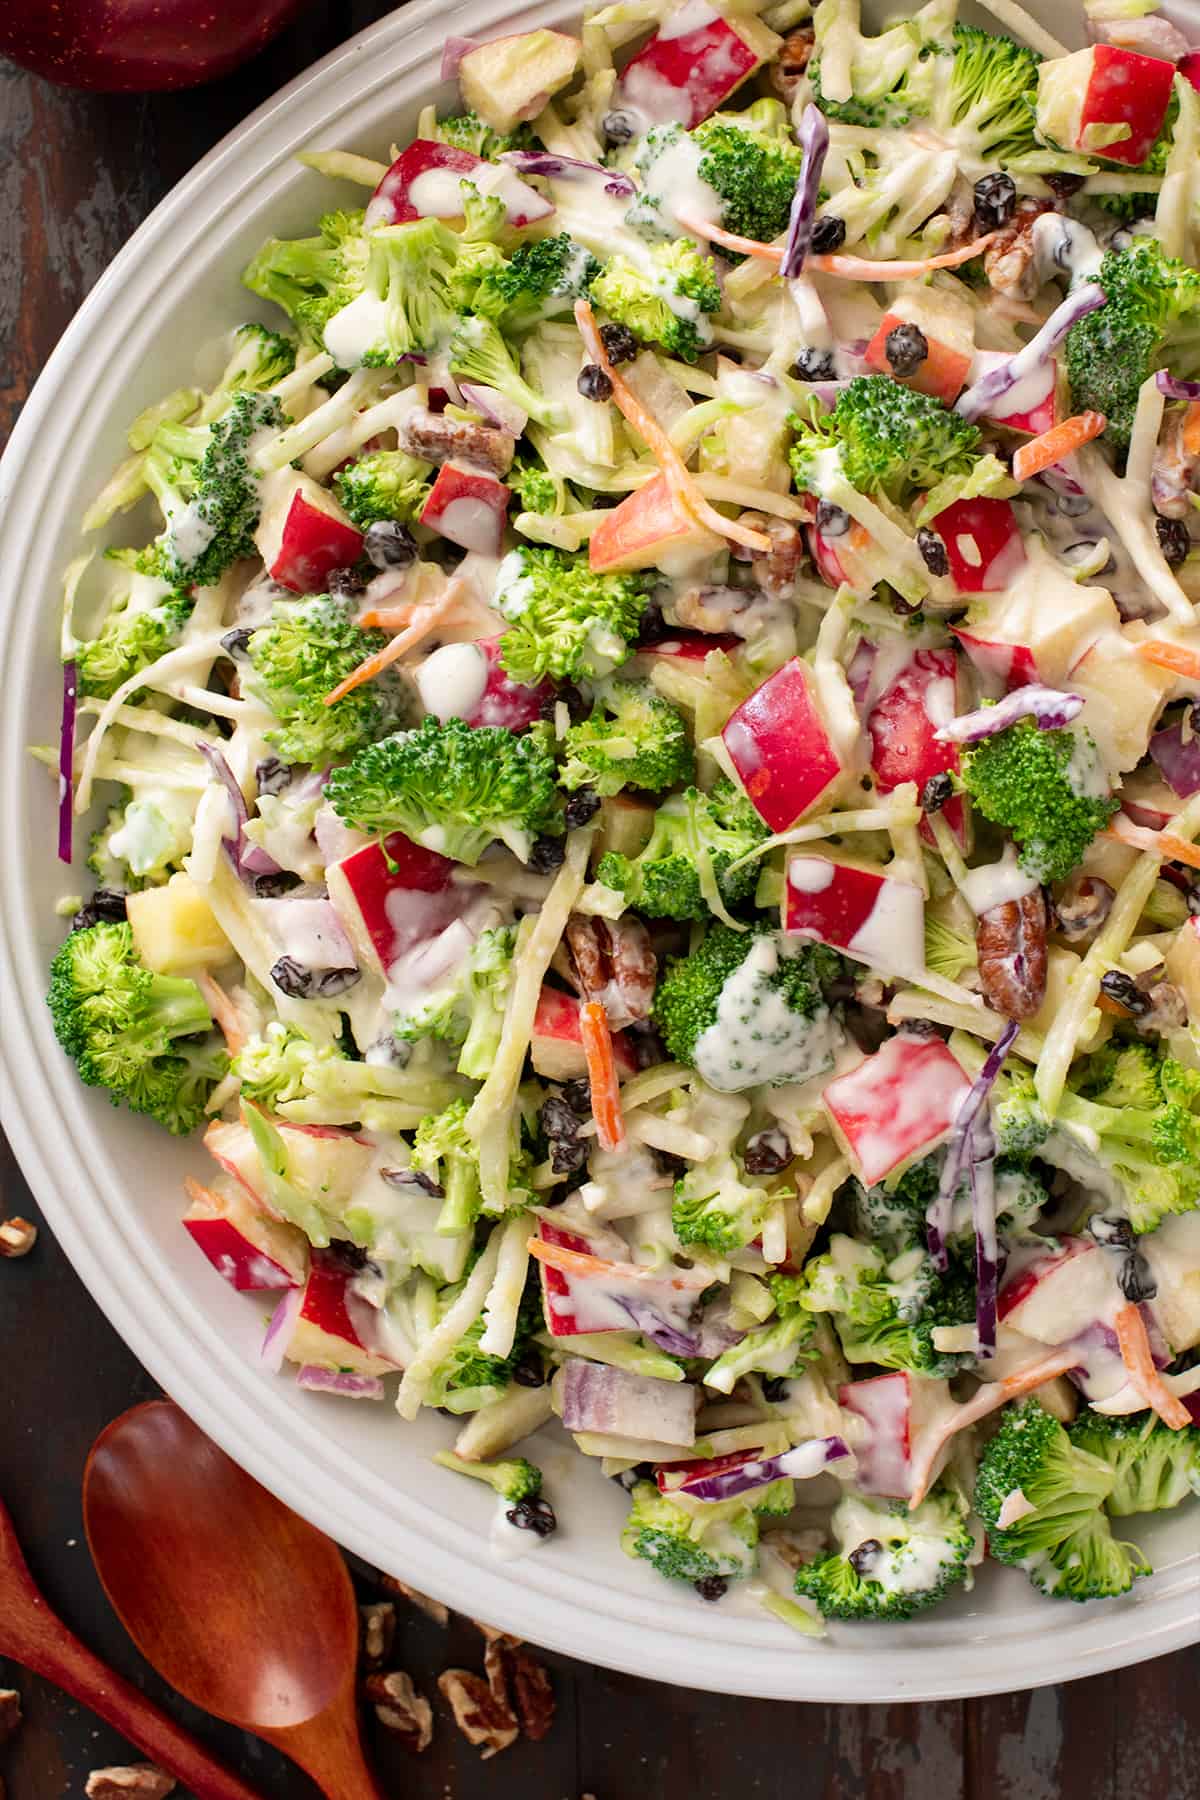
(640, 728)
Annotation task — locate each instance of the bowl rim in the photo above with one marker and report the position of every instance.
(183, 1351)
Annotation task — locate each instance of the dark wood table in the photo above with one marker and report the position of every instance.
(79, 173)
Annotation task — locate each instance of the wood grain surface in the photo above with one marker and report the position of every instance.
(77, 174)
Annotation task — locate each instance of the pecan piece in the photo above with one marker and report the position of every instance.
(400, 1709)
(378, 1631)
(711, 608)
(137, 1781)
(1082, 907)
(479, 1716)
(1011, 943)
(1176, 470)
(435, 438)
(1009, 261)
(776, 569)
(532, 1694)
(433, 1609)
(17, 1237)
(10, 1713)
(791, 61)
(612, 961)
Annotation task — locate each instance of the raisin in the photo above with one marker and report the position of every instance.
(581, 806)
(767, 1152)
(937, 790)
(106, 907)
(546, 855)
(829, 234)
(814, 365)
(1173, 541)
(995, 201)
(594, 383)
(1122, 988)
(388, 545)
(533, 1514)
(906, 348)
(345, 584)
(862, 1559)
(234, 642)
(933, 551)
(619, 126)
(711, 1587)
(1135, 1280)
(619, 343)
(832, 521)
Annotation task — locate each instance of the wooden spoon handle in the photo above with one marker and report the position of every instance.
(57, 1654)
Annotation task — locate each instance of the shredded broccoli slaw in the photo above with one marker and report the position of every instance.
(638, 730)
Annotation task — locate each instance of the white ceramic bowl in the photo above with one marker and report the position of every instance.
(110, 1186)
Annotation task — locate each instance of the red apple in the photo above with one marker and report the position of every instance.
(1105, 101)
(303, 534)
(896, 1105)
(1036, 411)
(885, 1405)
(556, 1045)
(505, 701)
(576, 1303)
(425, 180)
(780, 748)
(1011, 664)
(251, 1251)
(467, 506)
(856, 908)
(693, 62)
(334, 1328)
(903, 726)
(139, 46)
(688, 647)
(647, 525)
(391, 896)
(1055, 1295)
(983, 543)
(1189, 68)
(943, 372)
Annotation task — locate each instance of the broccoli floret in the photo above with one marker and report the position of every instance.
(890, 1561)
(1064, 1543)
(1130, 1114)
(312, 278)
(688, 1001)
(634, 738)
(564, 620)
(478, 353)
(665, 302)
(144, 840)
(207, 491)
(1152, 319)
(535, 487)
(1048, 788)
(539, 281)
(783, 1347)
(889, 439)
(315, 1084)
(469, 1010)
(886, 1313)
(987, 107)
(147, 1038)
(301, 654)
(452, 787)
(406, 300)
(664, 881)
(716, 1209)
(753, 163)
(696, 1540)
(469, 1378)
(443, 1151)
(1154, 1468)
(143, 626)
(893, 1216)
(260, 359)
(467, 131)
(946, 952)
(513, 1479)
(387, 484)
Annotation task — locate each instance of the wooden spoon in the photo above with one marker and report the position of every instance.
(243, 1607)
(30, 1634)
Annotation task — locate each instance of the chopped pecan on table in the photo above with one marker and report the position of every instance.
(1011, 943)
(433, 1609)
(378, 1631)
(10, 1713)
(613, 961)
(17, 1237)
(1009, 261)
(788, 68)
(532, 1694)
(400, 1709)
(137, 1781)
(482, 1719)
(435, 438)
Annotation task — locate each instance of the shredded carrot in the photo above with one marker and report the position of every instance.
(578, 1262)
(1134, 1345)
(681, 483)
(991, 1395)
(851, 268)
(602, 1074)
(1122, 830)
(1191, 429)
(1170, 656)
(223, 1011)
(420, 622)
(1039, 452)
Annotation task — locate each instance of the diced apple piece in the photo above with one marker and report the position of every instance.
(425, 182)
(505, 701)
(391, 896)
(512, 78)
(688, 646)
(983, 543)
(1105, 101)
(649, 529)
(1173, 1253)
(556, 1045)
(886, 1406)
(303, 533)
(903, 726)
(1030, 406)
(1012, 665)
(1043, 618)
(465, 680)
(618, 1299)
(856, 908)
(322, 1160)
(777, 742)
(896, 1105)
(1056, 1295)
(175, 930)
(334, 1328)
(1189, 68)
(1147, 799)
(251, 1251)
(1123, 697)
(824, 552)
(1183, 965)
(624, 825)
(948, 324)
(467, 506)
(692, 64)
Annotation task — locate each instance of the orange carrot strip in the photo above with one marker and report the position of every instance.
(1122, 830)
(1191, 429)
(1134, 1345)
(578, 1262)
(991, 1395)
(1170, 656)
(681, 483)
(602, 1074)
(223, 1011)
(421, 622)
(852, 268)
(1039, 452)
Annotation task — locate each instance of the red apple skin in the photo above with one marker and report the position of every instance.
(556, 1283)
(647, 523)
(505, 701)
(885, 1404)
(1127, 88)
(467, 507)
(993, 525)
(1013, 664)
(686, 77)
(313, 543)
(390, 896)
(897, 1104)
(556, 1044)
(1189, 68)
(390, 204)
(690, 646)
(942, 375)
(139, 46)
(244, 1267)
(779, 746)
(830, 567)
(903, 732)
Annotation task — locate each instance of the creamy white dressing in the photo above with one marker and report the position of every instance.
(358, 327)
(451, 680)
(892, 937)
(437, 193)
(757, 1036)
(995, 884)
